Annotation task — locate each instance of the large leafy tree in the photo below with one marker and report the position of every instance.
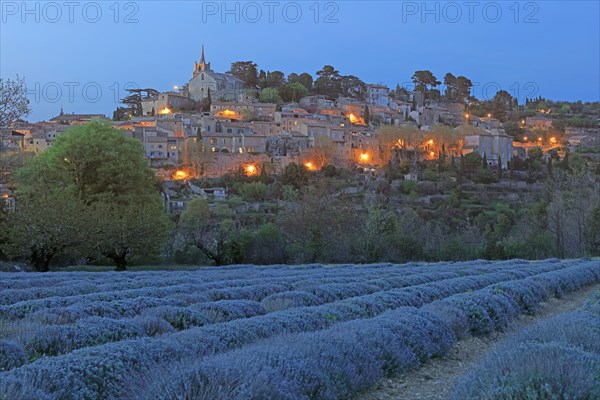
(275, 79)
(124, 232)
(328, 82)
(251, 77)
(293, 92)
(95, 167)
(424, 81)
(244, 70)
(457, 88)
(351, 86)
(270, 95)
(212, 237)
(133, 103)
(305, 79)
(46, 226)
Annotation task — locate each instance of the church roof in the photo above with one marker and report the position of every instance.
(226, 77)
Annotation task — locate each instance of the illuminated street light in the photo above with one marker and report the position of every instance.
(180, 175)
(250, 170)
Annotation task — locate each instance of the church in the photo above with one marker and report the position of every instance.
(223, 87)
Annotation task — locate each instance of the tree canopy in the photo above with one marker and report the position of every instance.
(270, 95)
(14, 103)
(100, 182)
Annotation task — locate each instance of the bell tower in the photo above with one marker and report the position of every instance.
(202, 65)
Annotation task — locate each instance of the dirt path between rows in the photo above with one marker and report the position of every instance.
(435, 379)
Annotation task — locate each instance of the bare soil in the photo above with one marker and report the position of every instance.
(435, 379)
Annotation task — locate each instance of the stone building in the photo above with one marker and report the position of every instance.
(222, 86)
(490, 144)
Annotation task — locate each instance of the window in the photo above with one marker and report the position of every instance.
(213, 141)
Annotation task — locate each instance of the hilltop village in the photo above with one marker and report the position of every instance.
(218, 122)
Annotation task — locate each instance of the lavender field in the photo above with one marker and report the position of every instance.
(564, 352)
(249, 332)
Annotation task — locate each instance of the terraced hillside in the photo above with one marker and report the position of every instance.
(248, 332)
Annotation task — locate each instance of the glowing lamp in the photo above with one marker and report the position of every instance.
(250, 170)
(364, 157)
(180, 175)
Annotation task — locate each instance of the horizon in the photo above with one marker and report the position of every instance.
(65, 64)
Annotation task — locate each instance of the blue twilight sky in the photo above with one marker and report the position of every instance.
(80, 54)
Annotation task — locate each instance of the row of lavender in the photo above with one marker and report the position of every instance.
(60, 339)
(84, 286)
(558, 358)
(39, 285)
(102, 371)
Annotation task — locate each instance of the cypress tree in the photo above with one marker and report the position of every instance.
(499, 167)
(208, 101)
(367, 115)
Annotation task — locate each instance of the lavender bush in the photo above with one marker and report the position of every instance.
(11, 355)
(555, 359)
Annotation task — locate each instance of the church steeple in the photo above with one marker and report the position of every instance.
(202, 65)
(202, 60)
